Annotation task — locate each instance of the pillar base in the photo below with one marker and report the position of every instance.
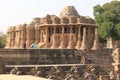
(78, 45)
(47, 45)
(62, 45)
(71, 45)
(96, 45)
(54, 45)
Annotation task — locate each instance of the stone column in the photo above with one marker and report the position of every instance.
(46, 39)
(13, 37)
(41, 35)
(17, 37)
(37, 34)
(23, 35)
(91, 38)
(62, 43)
(29, 35)
(54, 43)
(84, 40)
(16, 33)
(79, 38)
(71, 43)
(96, 44)
(10, 36)
(19, 41)
(41, 38)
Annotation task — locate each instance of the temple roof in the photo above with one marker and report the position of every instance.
(69, 11)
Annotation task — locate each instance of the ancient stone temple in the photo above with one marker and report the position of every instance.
(69, 30)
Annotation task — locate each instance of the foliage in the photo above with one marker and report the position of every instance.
(2, 40)
(108, 19)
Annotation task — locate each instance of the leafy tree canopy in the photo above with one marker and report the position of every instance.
(2, 40)
(108, 19)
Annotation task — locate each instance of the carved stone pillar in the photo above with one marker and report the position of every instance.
(71, 43)
(29, 35)
(79, 39)
(10, 36)
(37, 34)
(54, 44)
(90, 37)
(62, 43)
(84, 40)
(17, 36)
(19, 42)
(15, 44)
(41, 35)
(46, 39)
(13, 37)
(96, 44)
(16, 33)
(23, 35)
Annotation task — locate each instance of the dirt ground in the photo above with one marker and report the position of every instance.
(19, 77)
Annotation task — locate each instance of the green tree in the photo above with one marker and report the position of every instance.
(2, 40)
(108, 19)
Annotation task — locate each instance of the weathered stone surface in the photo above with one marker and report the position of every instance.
(37, 56)
(111, 43)
(2, 66)
(104, 77)
(116, 55)
(69, 11)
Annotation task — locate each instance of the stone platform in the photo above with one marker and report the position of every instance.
(54, 62)
(37, 56)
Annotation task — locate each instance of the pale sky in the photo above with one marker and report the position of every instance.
(14, 12)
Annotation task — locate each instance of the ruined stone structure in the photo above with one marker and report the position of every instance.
(111, 43)
(69, 30)
(116, 59)
(58, 64)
